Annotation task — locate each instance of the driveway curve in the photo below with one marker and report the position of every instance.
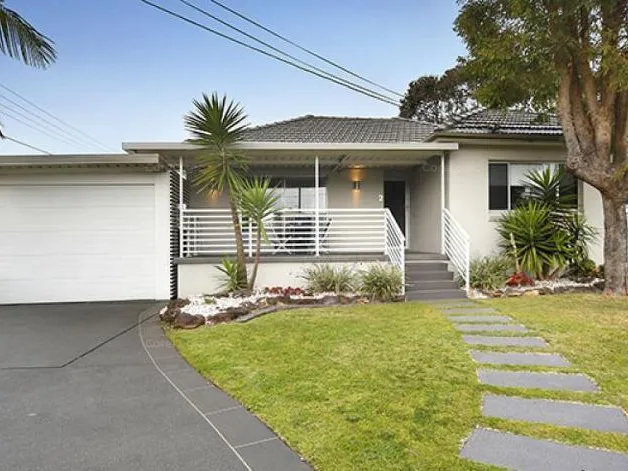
(95, 386)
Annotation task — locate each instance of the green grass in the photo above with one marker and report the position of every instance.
(391, 387)
(382, 387)
(591, 331)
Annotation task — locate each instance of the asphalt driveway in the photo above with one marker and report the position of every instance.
(81, 390)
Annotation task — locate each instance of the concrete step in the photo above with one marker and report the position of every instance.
(426, 294)
(431, 284)
(420, 266)
(413, 256)
(429, 275)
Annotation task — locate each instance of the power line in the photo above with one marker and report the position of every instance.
(261, 51)
(59, 120)
(32, 124)
(302, 48)
(17, 141)
(270, 46)
(79, 140)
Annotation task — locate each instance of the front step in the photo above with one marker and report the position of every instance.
(431, 284)
(426, 294)
(430, 278)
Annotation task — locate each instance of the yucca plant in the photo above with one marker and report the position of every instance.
(217, 125)
(542, 247)
(257, 201)
(548, 187)
(231, 274)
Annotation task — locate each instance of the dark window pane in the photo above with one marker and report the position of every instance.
(497, 186)
(516, 195)
(568, 189)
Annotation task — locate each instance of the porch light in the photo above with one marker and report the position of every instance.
(356, 185)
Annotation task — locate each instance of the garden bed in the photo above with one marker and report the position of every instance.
(544, 287)
(195, 311)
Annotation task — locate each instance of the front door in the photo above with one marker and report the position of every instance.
(395, 201)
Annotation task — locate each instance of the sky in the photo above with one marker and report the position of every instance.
(126, 72)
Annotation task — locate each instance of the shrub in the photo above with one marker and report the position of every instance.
(325, 278)
(232, 279)
(520, 279)
(489, 273)
(539, 245)
(583, 269)
(381, 282)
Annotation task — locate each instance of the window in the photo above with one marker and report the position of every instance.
(507, 183)
(299, 194)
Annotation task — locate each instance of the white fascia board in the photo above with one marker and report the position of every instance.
(84, 159)
(311, 146)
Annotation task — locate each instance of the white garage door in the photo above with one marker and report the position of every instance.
(89, 242)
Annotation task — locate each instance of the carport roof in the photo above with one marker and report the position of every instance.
(146, 161)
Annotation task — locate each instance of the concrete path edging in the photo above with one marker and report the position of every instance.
(256, 446)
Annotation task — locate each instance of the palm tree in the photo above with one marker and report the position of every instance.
(20, 40)
(218, 125)
(258, 202)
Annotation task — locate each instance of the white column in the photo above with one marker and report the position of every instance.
(181, 206)
(442, 203)
(317, 208)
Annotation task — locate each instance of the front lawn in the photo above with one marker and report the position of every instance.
(382, 387)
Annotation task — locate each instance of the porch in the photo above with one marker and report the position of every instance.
(339, 203)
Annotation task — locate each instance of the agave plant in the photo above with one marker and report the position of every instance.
(542, 247)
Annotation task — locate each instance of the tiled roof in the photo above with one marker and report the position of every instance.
(336, 129)
(508, 122)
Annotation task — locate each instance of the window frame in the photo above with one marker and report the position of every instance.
(508, 174)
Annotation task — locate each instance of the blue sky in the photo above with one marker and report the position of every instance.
(127, 72)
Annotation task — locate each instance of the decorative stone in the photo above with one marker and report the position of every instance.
(532, 292)
(187, 321)
(562, 413)
(512, 451)
(519, 359)
(526, 379)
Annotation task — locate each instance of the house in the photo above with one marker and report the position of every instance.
(353, 191)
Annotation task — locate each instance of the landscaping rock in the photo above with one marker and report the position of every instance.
(532, 292)
(187, 321)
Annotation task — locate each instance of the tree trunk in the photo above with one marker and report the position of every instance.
(258, 251)
(237, 230)
(615, 245)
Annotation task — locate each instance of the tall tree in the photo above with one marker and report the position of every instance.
(217, 125)
(20, 40)
(571, 56)
(434, 99)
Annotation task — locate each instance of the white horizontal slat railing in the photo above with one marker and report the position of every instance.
(457, 246)
(209, 232)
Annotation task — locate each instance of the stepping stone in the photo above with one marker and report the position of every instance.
(485, 319)
(526, 379)
(471, 310)
(505, 341)
(523, 359)
(566, 414)
(490, 328)
(529, 454)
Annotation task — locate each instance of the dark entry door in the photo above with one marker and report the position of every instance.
(395, 200)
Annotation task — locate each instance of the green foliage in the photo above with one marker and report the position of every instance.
(258, 201)
(20, 40)
(217, 125)
(325, 278)
(550, 187)
(490, 273)
(231, 274)
(584, 268)
(542, 248)
(381, 282)
(434, 99)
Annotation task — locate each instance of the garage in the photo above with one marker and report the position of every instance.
(90, 236)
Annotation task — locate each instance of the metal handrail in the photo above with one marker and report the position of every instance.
(457, 246)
